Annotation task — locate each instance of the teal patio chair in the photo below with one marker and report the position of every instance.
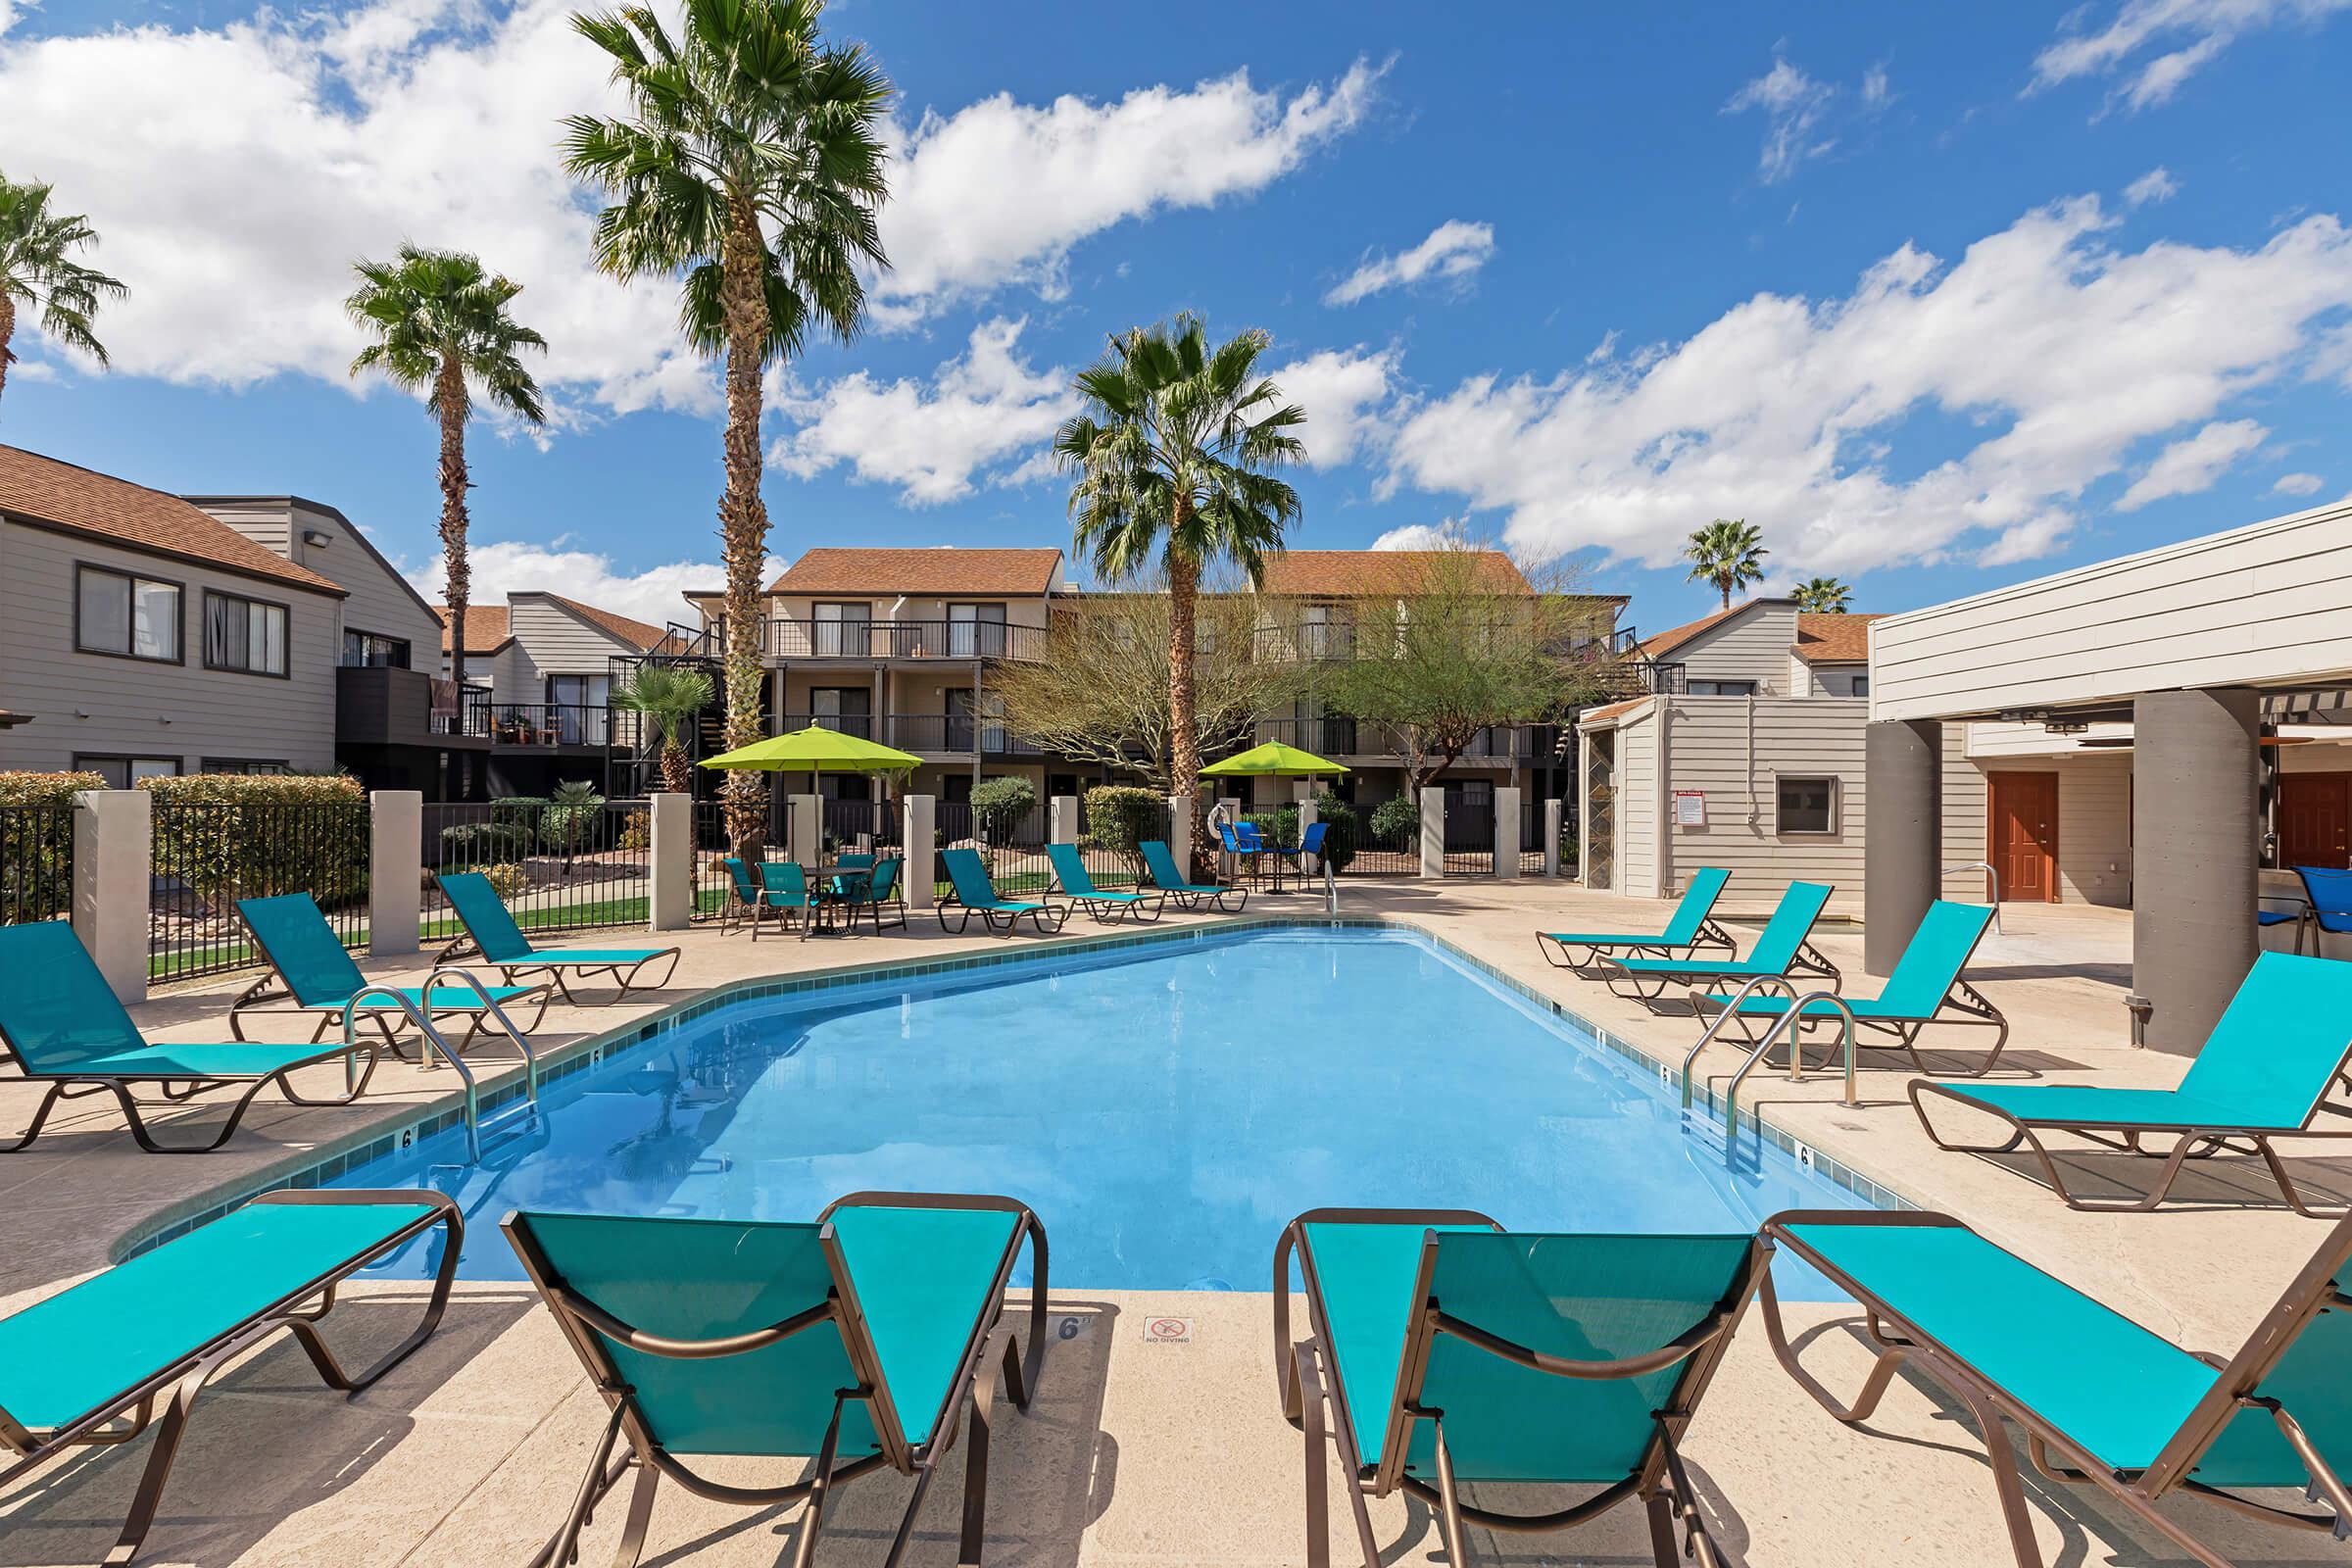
(884, 890)
(974, 894)
(99, 1362)
(1077, 885)
(1692, 931)
(491, 933)
(750, 898)
(2265, 1072)
(1160, 861)
(857, 1340)
(310, 967)
(1926, 987)
(1449, 1351)
(1785, 947)
(63, 1026)
(2101, 1400)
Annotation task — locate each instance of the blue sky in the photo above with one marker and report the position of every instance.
(1941, 296)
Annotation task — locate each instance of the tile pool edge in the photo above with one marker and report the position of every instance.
(318, 1166)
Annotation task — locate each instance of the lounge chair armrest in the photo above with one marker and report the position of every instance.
(1678, 1348)
(637, 1339)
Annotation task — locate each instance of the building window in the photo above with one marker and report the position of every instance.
(1861, 686)
(1807, 804)
(122, 772)
(1723, 688)
(252, 766)
(976, 631)
(578, 707)
(245, 635)
(367, 649)
(132, 618)
(840, 630)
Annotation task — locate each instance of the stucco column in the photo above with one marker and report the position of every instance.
(1180, 833)
(671, 863)
(1506, 830)
(1231, 805)
(1062, 819)
(1307, 816)
(1433, 830)
(395, 869)
(923, 848)
(804, 828)
(114, 847)
(1902, 837)
(1551, 838)
(2194, 838)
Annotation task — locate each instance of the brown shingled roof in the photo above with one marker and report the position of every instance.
(485, 628)
(46, 493)
(488, 627)
(1674, 637)
(1833, 639)
(636, 633)
(1611, 711)
(954, 572)
(1352, 574)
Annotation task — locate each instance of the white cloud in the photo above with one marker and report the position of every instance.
(998, 191)
(2298, 484)
(2053, 355)
(1793, 103)
(2159, 44)
(2156, 186)
(10, 12)
(1445, 536)
(930, 440)
(1342, 392)
(2185, 467)
(1877, 92)
(1452, 252)
(653, 595)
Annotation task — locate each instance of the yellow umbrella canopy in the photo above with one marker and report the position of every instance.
(817, 750)
(1271, 761)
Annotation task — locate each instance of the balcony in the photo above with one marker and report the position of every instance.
(1348, 737)
(538, 724)
(876, 641)
(956, 733)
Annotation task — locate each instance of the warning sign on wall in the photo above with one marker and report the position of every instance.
(1689, 808)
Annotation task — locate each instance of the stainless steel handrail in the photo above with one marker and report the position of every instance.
(1331, 888)
(425, 1030)
(1724, 1017)
(1790, 1020)
(1992, 885)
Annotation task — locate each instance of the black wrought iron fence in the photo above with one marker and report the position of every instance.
(36, 861)
(1387, 841)
(1531, 836)
(710, 850)
(1109, 842)
(1470, 835)
(863, 827)
(559, 865)
(207, 856)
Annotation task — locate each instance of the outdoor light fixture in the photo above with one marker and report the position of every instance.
(2066, 726)
(317, 539)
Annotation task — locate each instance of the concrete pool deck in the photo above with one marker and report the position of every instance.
(1138, 1451)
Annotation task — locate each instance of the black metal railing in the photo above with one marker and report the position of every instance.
(865, 726)
(205, 856)
(559, 867)
(863, 827)
(1469, 834)
(955, 732)
(36, 861)
(1111, 854)
(1384, 844)
(782, 637)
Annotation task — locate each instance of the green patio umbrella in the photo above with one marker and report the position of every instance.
(816, 751)
(1274, 759)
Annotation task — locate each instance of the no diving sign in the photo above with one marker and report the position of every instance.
(1167, 1331)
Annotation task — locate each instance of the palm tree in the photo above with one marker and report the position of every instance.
(37, 270)
(669, 696)
(752, 166)
(1823, 596)
(1171, 458)
(440, 325)
(1730, 553)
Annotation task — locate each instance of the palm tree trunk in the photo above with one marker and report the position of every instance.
(1184, 737)
(449, 399)
(743, 520)
(8, 331)
(678, 776)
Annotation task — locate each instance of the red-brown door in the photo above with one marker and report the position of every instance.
(2315, 812)
(2025, 835)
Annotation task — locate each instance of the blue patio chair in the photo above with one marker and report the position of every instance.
(1692, 931)
(1783, 948)
(491, 933)
(1077, 884)
(974, 894)
(2330, 894)
(1160, 861)
(310, 967)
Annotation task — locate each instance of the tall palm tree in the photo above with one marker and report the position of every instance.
(752, 165)
(1172, 458)
(1825, 596)
(669, 696)
(1730, 553)
(37, 270)
(440, 325)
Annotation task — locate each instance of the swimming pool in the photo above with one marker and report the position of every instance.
(1165, 1107)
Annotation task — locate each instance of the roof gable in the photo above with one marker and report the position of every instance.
(1833, 639)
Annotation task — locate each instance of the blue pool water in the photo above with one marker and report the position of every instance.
(1164, 1110)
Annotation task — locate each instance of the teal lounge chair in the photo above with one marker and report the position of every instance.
(974, 894)
(490, 932)
(857, 1340)
(1077, 885)
(1160, 861)
(309, 966)
(1692, 930)
(2101, 1400)
(90, 1365)
(1449, 1351)
(1926, 988)
(1783, 948)
(61, 1024)
(2265, 1073)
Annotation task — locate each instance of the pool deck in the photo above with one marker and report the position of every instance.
(1141, 1453)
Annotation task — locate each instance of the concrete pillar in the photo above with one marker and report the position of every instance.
(395, 869)
(1231, 805)
(1180, 833)
(1062, 819)
(1551, 838)
(1433, 830)
(1506, 830)
(922, 844)
(114, 851)
(670, 860)
(2194, 837)
(804, 828)
(1902, 841)
(1308, 814)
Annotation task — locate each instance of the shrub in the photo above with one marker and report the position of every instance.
(1396, 817)
(636, 831)
(229, 836)
(37, 848)
(471, 844)
(1277, 827)
(507, 880)
(570, 822)
(1339, 833)
(1000, 803)
(1119, 817)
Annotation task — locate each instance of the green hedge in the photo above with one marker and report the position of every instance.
(229, 836)
(37, 848)
(1120, 816)
(1396, 817)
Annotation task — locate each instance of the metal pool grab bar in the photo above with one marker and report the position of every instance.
(1790, 1021)
(1331, 888)
(1724, 1017)
(1992, 885)
(433, 1036)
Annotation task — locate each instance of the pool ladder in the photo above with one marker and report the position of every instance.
(522, 1111)
(1790, 1020)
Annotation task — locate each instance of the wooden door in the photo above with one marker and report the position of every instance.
(2315, 811)
(2024, 823)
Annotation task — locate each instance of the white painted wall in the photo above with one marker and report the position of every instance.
(1753, 646)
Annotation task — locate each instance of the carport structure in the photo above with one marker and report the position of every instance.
(2202, 648)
